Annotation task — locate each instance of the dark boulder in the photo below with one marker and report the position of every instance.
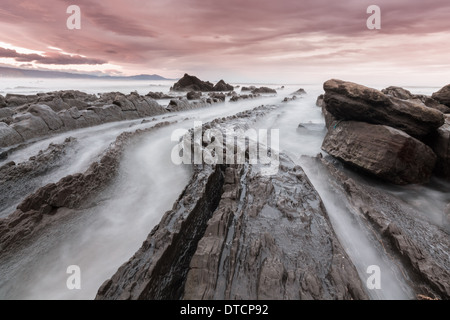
(385, 152)
(192, 95)
(351, 101)
(192, 83)
(398, 92)
(218, 96)
(431, 103)
(223, 86)
(443, 95)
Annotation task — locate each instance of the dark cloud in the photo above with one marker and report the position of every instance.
(51, 58)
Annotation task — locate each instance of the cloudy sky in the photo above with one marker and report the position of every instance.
(283, 41)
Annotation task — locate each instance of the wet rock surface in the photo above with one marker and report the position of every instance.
(237, 234)
(36, 116)
(421, 247)
(377, 130)
(385, 152)
(192, 83)
(270, 238)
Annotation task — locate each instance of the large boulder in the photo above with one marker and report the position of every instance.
(441, 146)
(6, 112)
(443, 95)
(50, 117)
(192, 95)
(192, 83)
(29, 126)
(223, 86)
(351, 101)
(8, 136)
(385, 152)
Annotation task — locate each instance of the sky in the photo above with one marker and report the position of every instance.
(277, 41)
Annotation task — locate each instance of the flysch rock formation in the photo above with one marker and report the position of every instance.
(54, 201)
(236, 234)
(23, 118)
(17, 180)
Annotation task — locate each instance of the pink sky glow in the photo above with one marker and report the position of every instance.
(283, 41)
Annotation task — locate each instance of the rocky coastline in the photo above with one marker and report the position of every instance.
(234, 233)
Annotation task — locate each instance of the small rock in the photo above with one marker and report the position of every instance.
(3, 155)
(192, 95)
(300, 91)
(222, 86)
(263, 90)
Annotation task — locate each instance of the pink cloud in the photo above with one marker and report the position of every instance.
(239, 37)
(51, 58)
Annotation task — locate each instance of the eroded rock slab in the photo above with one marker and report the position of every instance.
(385, 152)
(423, 248)
(270, 238)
